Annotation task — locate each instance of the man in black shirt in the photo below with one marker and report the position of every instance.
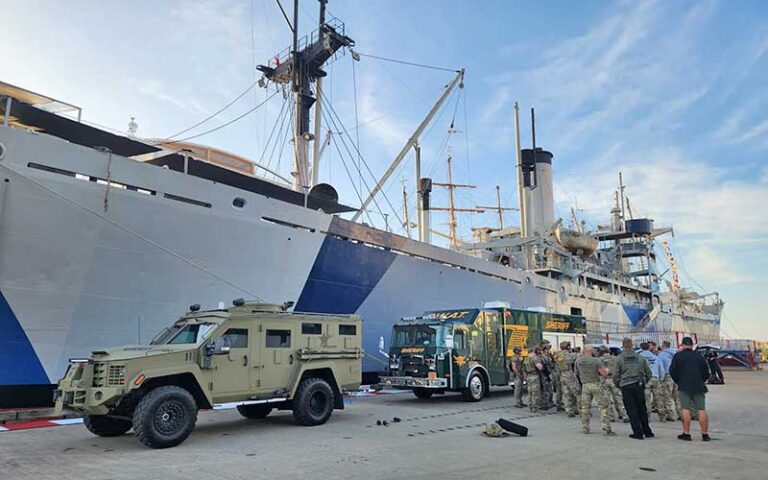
(716, 373)
(689, 371)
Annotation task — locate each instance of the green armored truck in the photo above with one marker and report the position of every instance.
(468, 350)
(258, 357)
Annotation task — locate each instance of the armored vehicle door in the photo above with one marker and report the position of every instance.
(277, 356)
(231, 376)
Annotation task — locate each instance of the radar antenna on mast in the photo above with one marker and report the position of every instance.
(301, 66)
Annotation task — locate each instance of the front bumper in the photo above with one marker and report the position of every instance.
(90, 400)
(413, 382)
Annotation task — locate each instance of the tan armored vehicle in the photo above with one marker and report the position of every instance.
(256, 356)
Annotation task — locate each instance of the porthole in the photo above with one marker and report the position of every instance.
(2, 151)
(238, 203)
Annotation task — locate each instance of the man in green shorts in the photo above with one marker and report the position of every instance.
(689, 371)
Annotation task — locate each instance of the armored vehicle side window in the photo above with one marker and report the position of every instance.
(278, 338)
(311, 328)
(190, 334)
(347, 329)
(238, 337)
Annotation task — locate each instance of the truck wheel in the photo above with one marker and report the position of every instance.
(422, 392)
(165, 417)
(104, 426)
(254, 412)
(476, 389)
(313, 403)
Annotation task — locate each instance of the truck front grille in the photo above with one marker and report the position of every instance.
(108, 375)
(116, 375)
(413, 366)
(99, 374)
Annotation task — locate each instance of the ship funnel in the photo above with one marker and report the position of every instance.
(537, 183)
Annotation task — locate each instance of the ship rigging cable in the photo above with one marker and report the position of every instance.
(346, 169)
(403, 62)
(362, 159)
(239, 117)
(330, 121)
(271, 134)
(132, 232)
(211, 116)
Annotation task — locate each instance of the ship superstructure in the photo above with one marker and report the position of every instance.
(104, 237)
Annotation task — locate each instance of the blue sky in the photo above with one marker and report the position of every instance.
(671, 93)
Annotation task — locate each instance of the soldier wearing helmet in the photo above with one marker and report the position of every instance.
(612, 392)
(564, 359)
(516, 366)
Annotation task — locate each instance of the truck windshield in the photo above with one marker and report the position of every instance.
(409, 335)
(188, 334)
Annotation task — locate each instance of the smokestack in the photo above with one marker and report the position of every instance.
(425, 187)
(538, 189)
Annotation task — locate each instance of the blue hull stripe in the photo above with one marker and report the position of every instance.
(16, 350)
(634, 314)
(343, 276)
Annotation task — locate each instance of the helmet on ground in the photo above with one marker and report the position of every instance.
(492, 430)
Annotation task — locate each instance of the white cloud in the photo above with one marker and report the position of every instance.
(716, 218)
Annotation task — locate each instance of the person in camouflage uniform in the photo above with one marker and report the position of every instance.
(673, 402)
(590, 371)
(516, 366)
(532, 367)
(556, 384)
(547, 390)
(656, 395)
(611, 390)
(571, 394)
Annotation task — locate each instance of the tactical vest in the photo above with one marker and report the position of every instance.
(529, 365)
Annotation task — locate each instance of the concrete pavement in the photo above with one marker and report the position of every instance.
(438, 437)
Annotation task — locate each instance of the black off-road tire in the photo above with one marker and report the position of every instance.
(423, 393)
(313, 403)
(477, 388)
(165, 417)
(254, 412)
(105, 426)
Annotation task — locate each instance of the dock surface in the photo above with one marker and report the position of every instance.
(436, 438)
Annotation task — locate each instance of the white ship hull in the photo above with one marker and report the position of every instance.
(85, 266)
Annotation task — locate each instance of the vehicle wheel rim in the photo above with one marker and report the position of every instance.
(476, 386)
(317, 403)
(169, 417)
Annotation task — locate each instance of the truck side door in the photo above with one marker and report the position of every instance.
(231, 373)
(495, 359)
(277, 347)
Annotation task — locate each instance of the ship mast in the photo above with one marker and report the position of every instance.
(301, 70)
(302, 99)
(452, 210)
(498, 208)
(407, 222)
(317, 153)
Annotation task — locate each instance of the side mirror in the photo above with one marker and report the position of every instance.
(220, 346)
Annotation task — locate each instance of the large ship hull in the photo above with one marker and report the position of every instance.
(87, 265)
